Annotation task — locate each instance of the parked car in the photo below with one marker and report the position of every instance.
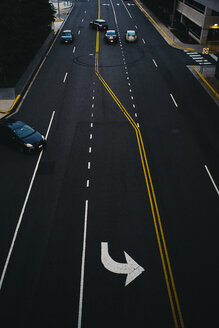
(67, 36)
(20, 135)
(131, 36)
(99, 24)
(111, 36)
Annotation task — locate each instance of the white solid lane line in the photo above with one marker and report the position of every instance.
(83, 266)
(65, 77)
(212, 180)
(173, 100)
(114, 13)
(23, 208)
(127, 9)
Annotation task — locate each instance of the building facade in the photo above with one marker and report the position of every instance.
(201, 18)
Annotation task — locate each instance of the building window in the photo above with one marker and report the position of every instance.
(197, 6)
(215, 13)
(192, 27)
(213, 35)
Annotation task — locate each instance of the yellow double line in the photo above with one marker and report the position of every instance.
(174, 301)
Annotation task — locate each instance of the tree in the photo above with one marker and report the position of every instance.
(24, 26)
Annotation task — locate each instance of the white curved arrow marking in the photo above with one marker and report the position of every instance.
(131, 268)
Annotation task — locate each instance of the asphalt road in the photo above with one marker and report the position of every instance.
(131, 165)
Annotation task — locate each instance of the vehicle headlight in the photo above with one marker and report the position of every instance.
(28, 145)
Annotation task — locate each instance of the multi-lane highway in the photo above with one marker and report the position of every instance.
(115, 223)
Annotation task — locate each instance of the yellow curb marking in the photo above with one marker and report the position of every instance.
(206, 82)
(8, 111)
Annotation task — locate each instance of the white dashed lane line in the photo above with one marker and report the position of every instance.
(143, 40)
(90, 150)
(88, 183)
(66, 74)
(155, 63)
(79, 32)
(173, 100)
(88, 165)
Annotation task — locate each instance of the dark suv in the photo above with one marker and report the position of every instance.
(111, 36)
(99, 24)
(67, 36)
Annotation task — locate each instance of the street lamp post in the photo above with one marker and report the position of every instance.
(58, 9)
(173, 13)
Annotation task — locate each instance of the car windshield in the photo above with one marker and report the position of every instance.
(131, 32)
(110, 33)
(66, 33)
(23, 131)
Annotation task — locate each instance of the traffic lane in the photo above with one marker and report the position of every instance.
(177, 165)
(119, 213)
(16, 171)
(75, 105)
(185, 87)
(139, 20)
(42, 281)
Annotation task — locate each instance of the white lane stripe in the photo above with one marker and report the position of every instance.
(173, 100)
(91, 125)
(92, 105)
(88, 183)
(82, 20)
(136, 115)
(91, 136)
(74, 49)
(127, 9)
(88, 165)
(89, 149)
(65, 77)
(136, 26)
(83, 266)
(133, 105)
(143, 40)
(212, 180)
(155, 63)
(114, 12)
(23, 208)
(79, 32)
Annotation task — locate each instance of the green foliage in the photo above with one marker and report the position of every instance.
(24, 25)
